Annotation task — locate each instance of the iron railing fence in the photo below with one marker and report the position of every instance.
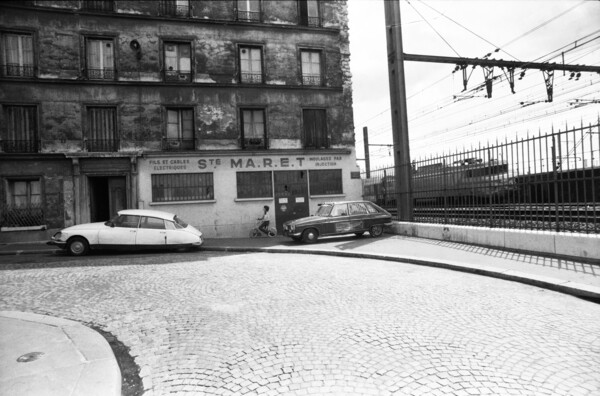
(21, 216)
(545, 182)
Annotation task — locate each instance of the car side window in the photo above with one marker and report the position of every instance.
(357, 208)
(371, 208)
(339, 210)
(152, 223)
(171, 225)
(127, 221)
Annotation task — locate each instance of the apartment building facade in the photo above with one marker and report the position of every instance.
(207, 109)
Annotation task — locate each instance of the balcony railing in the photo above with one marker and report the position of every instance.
(248, 16)
(21, 216)
(170, 8)
(101, 74)
(178, 144)
(314, 21)
(255, 143)
(12, 70)
(251, 78)
(178, 76)
(20, 146)
(98, 5)
(311, 79)
(102, 145)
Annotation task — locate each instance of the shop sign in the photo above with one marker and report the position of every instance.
(189, 164)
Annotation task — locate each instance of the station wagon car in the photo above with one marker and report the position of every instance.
(130, 229)
(338, 218)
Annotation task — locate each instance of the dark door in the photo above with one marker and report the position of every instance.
(108, 195)
(291, 196)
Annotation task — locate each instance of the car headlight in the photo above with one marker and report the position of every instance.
(57, 236)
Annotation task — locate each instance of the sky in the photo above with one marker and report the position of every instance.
(441, 118)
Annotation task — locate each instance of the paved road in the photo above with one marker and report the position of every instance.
(217, 323)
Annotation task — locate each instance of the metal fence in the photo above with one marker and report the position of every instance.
(21, 216)
(544, 182)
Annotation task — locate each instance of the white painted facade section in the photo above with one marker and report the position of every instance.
(227, 215)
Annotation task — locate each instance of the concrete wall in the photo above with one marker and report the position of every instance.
(579, 246)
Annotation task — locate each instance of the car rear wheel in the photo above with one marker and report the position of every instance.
(78, 246)
(310, 236)
(376, 230)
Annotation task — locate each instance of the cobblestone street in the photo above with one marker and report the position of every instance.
(270, 324)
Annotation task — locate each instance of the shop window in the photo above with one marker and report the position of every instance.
(325, 182)
(17, 55)
(311, 67)
(254, 134)
(254, 185)
(251, 65)
(23, 203)
(180, 130)
(102, 134)
(309, 13)
(21, 135)
(100, 58)
(178, 62)
(314, 122)
(182, 187)
(175, 8)
(248, 10)
(98, 5)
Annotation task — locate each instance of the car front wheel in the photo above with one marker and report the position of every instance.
(78, 246)
(310, 236)
(376, 230)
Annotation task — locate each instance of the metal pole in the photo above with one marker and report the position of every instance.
(402, 162)
(367, 158)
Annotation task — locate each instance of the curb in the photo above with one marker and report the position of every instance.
(562, 286)
(95, 370)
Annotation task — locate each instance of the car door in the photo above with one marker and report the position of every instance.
(122, 232)
(152, 232)
(358, 216)
(339, 221)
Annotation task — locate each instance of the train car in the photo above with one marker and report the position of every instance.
(466, 181)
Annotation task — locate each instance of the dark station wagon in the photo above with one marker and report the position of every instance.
(338, 218)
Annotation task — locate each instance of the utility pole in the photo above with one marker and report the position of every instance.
(402, 165)
(367, 157)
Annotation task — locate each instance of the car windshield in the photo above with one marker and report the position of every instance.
(324, 210)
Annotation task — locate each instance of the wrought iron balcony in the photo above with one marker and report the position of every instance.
(13, 70)
(314, 21)
(248, 16)
(98, 5)
(178, 144)
(171, 8)
(311, 79)
(255, 143)
(101, 74)
(20, 146)
(102, 145)
(178, 76)
(251, 78)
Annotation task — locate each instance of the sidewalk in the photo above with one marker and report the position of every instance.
(75, 349)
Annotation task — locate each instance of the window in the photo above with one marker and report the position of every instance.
(248, 10)
(182, 187)
(23, 203)
(21, 129)
(325, 182)
(126, 221)
(254, 185)
(253, 128)
(98, 5)
(315, 128)
(102, 129)
(100, 59)
(251, 65)
(152, 223)
(357, 208)
(175, 8)
(17, 55)
(180, 130)
(311, 67)
(178, 62)
(309, 13)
